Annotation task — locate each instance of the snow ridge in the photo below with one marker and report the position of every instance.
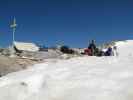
(79, 78)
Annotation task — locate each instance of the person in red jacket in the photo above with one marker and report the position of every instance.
(88, 52)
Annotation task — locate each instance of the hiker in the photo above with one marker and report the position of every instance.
(99, 52)
(88, 52)
(115, 52)
(109, 51)
(92, 47)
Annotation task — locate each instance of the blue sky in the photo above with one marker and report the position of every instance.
(71, 22)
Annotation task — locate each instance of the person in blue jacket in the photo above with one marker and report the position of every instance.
(109, 51)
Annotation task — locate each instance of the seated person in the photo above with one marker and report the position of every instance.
(109, 52)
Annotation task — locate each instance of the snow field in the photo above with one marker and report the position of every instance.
(79, 78)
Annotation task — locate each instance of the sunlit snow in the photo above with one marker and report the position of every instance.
(78, 78)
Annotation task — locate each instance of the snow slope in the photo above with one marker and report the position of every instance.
(79, 78)
(125, 48)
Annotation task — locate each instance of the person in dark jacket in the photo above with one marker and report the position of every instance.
(109, 52)
(92, 46)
